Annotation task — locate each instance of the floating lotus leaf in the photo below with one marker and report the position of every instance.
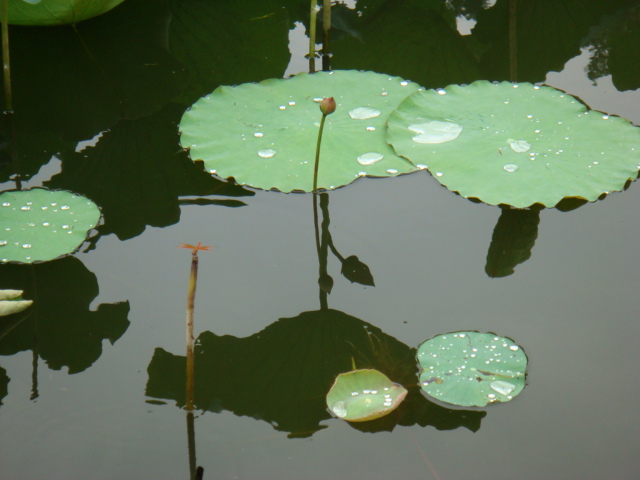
(264, 135)
(471, 368)
(515, 144)
(363, 395)
(11, 302)
(40, 225)
(56, 12)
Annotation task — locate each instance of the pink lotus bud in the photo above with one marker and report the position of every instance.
(328, 106)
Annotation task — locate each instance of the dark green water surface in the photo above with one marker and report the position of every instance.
(92, 382)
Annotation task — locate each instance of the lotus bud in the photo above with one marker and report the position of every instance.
(328, 106)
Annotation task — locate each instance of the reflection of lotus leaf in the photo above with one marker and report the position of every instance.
(264, 135)
(40, 225)
(517, 144)
(363, 395)
(56, 12)
(471, 368)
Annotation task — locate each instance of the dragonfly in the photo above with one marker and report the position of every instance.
(195, 248)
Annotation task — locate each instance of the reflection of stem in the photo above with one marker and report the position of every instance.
(326, 38)
(513, 42)
(191, 442)
(5, 57)
(8, 95)
(321, 249)
(312, 36)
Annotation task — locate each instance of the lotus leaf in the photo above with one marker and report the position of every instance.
(517, 144)
(264, 135)
(40, 225)
(56, 12)
(363, 395)
(471, 369)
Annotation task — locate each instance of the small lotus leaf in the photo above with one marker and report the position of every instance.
(472, 369)
(11, 302)
(40, 225)
(363, 395)
(516, 144)
(264, 135)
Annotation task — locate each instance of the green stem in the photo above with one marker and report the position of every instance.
(312, 36)
(317, 164)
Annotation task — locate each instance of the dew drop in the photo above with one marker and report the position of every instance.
(435, 132)
(3, 243)
(340, 409)
(392, 171)
(26, 245)
(370, 158)
(266, 153)
(404, 83)
(510, 167)
(384, 94)
(596, 163)
(421, 166)
(292, 104)
(64, 207)
(605, 117)
(26, 208)
(364, 113)
(354, 394)
(282, 107)
(502, 387)
(45, 224)
(438, 174)
(6, 204)
(514, 348)
(317, 99)
(519, 146)
(258, 134)
(441, 91)
(371, 129)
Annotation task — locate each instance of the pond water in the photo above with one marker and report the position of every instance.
(95, 375)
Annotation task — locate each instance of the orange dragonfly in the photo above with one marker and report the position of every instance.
(194, 248)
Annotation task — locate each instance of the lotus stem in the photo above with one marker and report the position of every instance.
(317, 163)
(327, 107)
(312, 35)
(193, 279)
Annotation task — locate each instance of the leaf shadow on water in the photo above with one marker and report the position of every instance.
(281, 375)
(59, 327)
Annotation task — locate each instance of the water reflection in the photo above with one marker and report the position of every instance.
(513, 239)
(281, 375)
(59, 327)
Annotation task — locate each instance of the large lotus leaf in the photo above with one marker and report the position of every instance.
(515, 143)
(264, 135)
(40, 225)
(471, 368)
(56, 12)
(363, 395)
